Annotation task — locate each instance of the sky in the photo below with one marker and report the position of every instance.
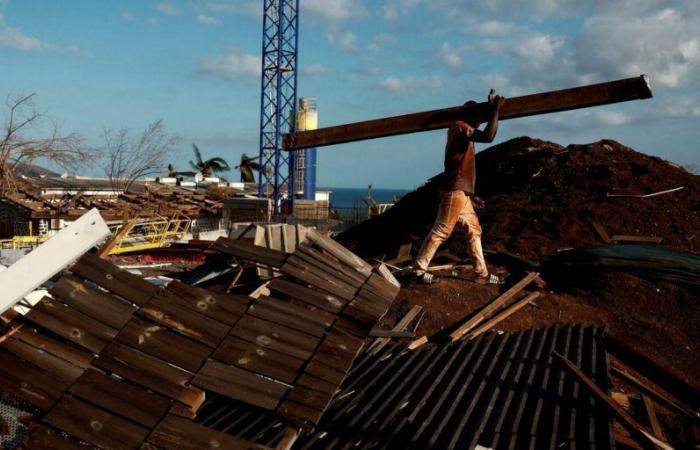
(195, 64)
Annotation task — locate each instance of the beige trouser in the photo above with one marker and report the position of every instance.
(455, 207)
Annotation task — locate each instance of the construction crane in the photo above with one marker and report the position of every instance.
(278, 99)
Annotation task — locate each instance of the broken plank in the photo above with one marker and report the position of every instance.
(157, 340)
(313, 297)
(95, 425)
(287, 314)
(512, 309)
(653, 419)
(636, 239)
(126, 285)
(258, 359)
(73, 355)
(343, 254)
(275, 337)
(240, 384)
(184, 320)
(401, 325)
(255, 253)
(226, 308)
(71, 324)
(637, 431)
(95, 303)
(600, 229)
(124, 399)
(144, 369)
(56, 366)
(29, 382)
(528, 105)
(319, 280)
(179, 433)
(654, 393)
(492, 307)
(326, 262)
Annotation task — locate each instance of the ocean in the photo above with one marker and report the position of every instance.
(350, 197)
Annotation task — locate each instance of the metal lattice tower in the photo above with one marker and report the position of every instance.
(278, 98)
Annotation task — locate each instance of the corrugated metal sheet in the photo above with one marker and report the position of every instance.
(497, 391)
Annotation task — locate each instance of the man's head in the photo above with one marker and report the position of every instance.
(472, 123)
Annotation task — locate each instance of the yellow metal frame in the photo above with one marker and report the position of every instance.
(152, 233)
(22, 242)
(379, 208)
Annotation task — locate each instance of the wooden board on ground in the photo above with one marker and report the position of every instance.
(95, 425)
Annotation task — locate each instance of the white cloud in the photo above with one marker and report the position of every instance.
(313, 69)
(380, 41)
(234, 65)
(409, 84)
(129, 17)
(251, 8)
(394, 9)
(166, 8)
(344, 40)
(208, 20)
(664, 44)
(14, 38)
(491, 27)
(333, 10)
(451, 58)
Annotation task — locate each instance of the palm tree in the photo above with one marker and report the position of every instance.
(210, 166)
(247, 166)
(174, 173)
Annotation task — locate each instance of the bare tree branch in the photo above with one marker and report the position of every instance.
(16, 148)
(126, 159)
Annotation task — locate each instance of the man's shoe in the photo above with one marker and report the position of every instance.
(427, 278)
(489, 279)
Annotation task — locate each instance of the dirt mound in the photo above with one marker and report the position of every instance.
(541, 197)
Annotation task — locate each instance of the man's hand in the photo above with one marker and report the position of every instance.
(496, 101)
(478, 202)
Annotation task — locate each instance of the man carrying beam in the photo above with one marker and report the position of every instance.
(456, 196)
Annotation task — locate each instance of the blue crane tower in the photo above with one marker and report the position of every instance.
(278, 101)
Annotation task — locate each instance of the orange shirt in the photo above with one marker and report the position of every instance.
(460, 161)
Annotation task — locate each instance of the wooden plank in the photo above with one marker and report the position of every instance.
(289, 315)
(343, 254)
(185, 320)
(132, 402)
(95, 425)
(401, 325)
(326, 262)
(71, 324)
(637, 239)
(492, 307)
(226, 308)
(303, 260)
(291, 434)
(377, 283)
(653, 420)
(308, 397)
(39, 265)
(95, 303)
(144, 369)
(353, 327)
(366, 311)
(126, 285)
(654, 393)
(29, 382)
(58, 367)
(512, 309)
(542, 103)
(276, 337)
(44, 438)
(159, 341)
(300, 414)
(338, 350)
(308, 275)
(637, 431)
(255, 253)
(602, 232)
(240, 384)
(321, 300)
(256, 358)
(73, 355)
(317, 384)
(384, 271)
(178, 433)
(324, 372)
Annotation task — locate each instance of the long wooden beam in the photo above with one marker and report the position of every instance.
(636, 88)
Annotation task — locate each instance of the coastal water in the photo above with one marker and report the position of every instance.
(351, 197)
